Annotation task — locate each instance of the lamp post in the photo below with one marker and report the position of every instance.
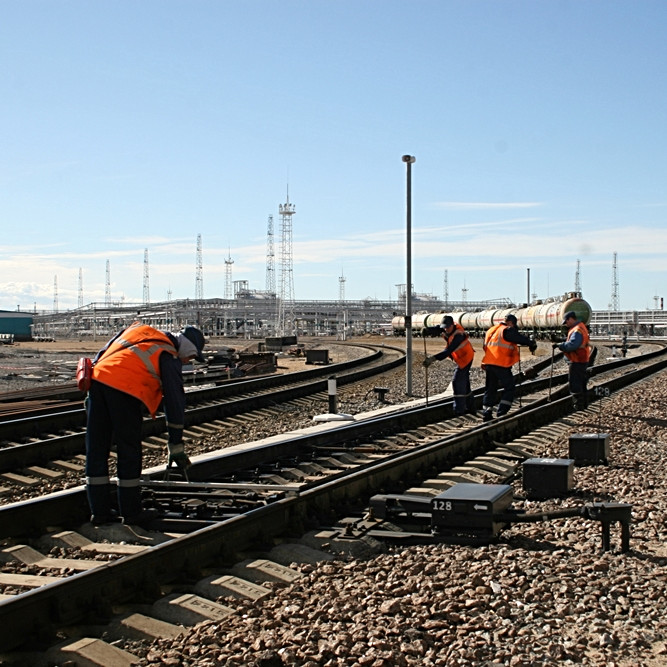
(409, 161)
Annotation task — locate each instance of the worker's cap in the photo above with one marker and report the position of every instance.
(569, 315)
(447, 321)
(196, 337)
(511, 318)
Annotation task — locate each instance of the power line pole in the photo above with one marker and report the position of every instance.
(229, 293)
(80, 287)
(147, 296)
(614, 285)
(270, 259)
(286, 316)
(107, 286)
(199, 272)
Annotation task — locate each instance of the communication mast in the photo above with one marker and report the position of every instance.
(464, 294)
(445, 289)
(270, 259)
(614, 285)
(55, 294)
(199, 274)
(577, 278)
(147, 296)
(80, 287)
(107, 286)
(229, 294)
(286, 323)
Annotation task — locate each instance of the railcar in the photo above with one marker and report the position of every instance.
(539, 319)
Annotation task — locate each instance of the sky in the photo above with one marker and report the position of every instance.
(129, 128)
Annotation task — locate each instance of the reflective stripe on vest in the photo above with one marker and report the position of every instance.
(464, 353)
(498, 351)
(131, 364)
(583, 353)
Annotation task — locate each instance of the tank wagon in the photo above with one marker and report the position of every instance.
(539, 319)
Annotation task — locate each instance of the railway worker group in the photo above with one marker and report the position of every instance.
(501, 353)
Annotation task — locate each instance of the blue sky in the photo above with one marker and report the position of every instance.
(539, 130)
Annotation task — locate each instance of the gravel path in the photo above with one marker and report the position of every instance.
(543, 595)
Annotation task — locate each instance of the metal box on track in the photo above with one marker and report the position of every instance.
(468, 509)
(587, 448)
(547, 478)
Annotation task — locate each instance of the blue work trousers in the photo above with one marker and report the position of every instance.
(463, 399)
(498, 375)
(113, 417)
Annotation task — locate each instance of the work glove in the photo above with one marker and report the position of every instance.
(428, 361)
(178, 456)
(555, 345)
(532, 346)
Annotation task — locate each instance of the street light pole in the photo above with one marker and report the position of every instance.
(409, 161)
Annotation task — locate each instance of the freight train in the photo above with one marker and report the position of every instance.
(540, 319)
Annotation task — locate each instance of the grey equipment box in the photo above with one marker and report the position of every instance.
(589, 448)
(468, 509)
(317, 356)
(547, 478)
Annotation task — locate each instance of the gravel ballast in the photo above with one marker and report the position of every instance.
(545, 594)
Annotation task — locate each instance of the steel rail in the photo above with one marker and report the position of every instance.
(43, 610)
(68, 428)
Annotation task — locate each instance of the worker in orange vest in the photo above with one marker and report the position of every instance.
(501, 352)
(459, 349)
(577, 349)
(139, 367)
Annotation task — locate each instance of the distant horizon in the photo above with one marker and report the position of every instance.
(136, 127)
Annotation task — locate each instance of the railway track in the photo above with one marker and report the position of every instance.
(242, 499)
(45, 439)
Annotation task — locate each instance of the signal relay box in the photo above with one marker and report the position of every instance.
(469, 508)
(547, 478)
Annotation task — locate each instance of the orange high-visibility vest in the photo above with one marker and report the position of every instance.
(583, 353)
(131, 364)
(464, 353)
(498, 351)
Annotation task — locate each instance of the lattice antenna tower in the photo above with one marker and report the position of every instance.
(341, 287)
(229, 294)
(80, 287)
(464, 294)
(445, 289)
(270, 259)
(614, 284)
(199, 272)
(286, 323)
(107, 286)
(147, 294)
(55, 294)
(577, 278)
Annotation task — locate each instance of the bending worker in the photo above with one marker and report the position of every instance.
(460, 350)
(577, 349)
(501, 352)
(139, 367)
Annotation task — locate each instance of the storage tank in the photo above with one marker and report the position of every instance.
(487, 318)
(398, 325)
(581, 308)
(528, 317)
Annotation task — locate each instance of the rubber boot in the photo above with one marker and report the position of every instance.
(99, 499)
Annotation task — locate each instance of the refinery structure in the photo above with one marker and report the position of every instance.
(274, 311)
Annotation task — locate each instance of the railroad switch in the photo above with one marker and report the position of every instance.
(475, 514)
